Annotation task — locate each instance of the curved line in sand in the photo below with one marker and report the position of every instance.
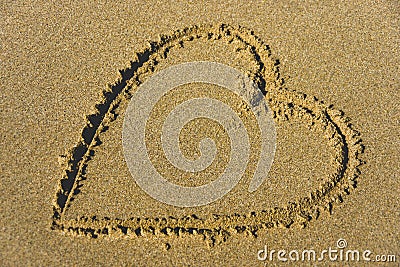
(285, 104)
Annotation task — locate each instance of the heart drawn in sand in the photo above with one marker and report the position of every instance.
(273, 102)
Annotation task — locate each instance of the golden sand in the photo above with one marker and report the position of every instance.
(69, 197)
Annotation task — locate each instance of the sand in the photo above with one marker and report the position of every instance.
(329, 74)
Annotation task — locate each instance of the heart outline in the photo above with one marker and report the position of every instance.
(337, 126)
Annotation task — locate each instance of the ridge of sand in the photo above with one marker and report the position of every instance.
(285, 103)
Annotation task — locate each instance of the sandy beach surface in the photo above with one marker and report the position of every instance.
(329, 75)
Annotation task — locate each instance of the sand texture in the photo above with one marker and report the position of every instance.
(329, 74)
